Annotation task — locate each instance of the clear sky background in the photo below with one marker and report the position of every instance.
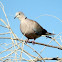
(32, 9)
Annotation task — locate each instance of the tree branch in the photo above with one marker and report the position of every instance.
(46, 45)
(39, 59)
(31, 42)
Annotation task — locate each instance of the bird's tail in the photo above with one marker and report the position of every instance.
(49, 33)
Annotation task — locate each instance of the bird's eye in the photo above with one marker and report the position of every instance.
(19, 13)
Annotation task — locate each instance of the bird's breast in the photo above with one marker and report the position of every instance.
(26, 28)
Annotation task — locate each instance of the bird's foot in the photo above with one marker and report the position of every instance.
(33, 42)
(27, 40)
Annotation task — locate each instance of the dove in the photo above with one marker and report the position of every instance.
(30, 28)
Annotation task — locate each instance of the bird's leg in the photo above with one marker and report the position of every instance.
(27, 40)
(33, 42)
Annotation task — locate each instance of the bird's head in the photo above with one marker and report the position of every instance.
(19, 15)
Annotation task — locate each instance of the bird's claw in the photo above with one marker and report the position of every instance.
(33, 42)
(26, 41)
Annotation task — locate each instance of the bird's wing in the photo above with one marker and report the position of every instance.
(38, 29)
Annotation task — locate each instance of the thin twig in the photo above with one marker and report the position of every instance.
(5, 33)
(3, 26)
(49, 15)
(21, 51)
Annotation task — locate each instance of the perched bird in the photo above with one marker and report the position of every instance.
(30, 28)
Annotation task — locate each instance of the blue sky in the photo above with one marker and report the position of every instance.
(32, 9)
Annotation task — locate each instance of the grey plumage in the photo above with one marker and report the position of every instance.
(31, 29)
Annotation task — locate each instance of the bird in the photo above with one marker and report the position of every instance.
(30, 28)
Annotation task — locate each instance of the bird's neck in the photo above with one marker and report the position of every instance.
(22, 18)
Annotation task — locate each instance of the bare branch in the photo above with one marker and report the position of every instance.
(46, 45)
(31, 42)
(39, 59)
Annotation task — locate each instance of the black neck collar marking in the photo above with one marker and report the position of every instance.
(25, 17)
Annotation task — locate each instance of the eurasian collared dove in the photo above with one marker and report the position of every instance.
(30, 28)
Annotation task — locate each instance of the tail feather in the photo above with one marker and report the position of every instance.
(49, 33)
(44, 32)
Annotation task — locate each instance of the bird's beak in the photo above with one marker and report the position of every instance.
(15, 17)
